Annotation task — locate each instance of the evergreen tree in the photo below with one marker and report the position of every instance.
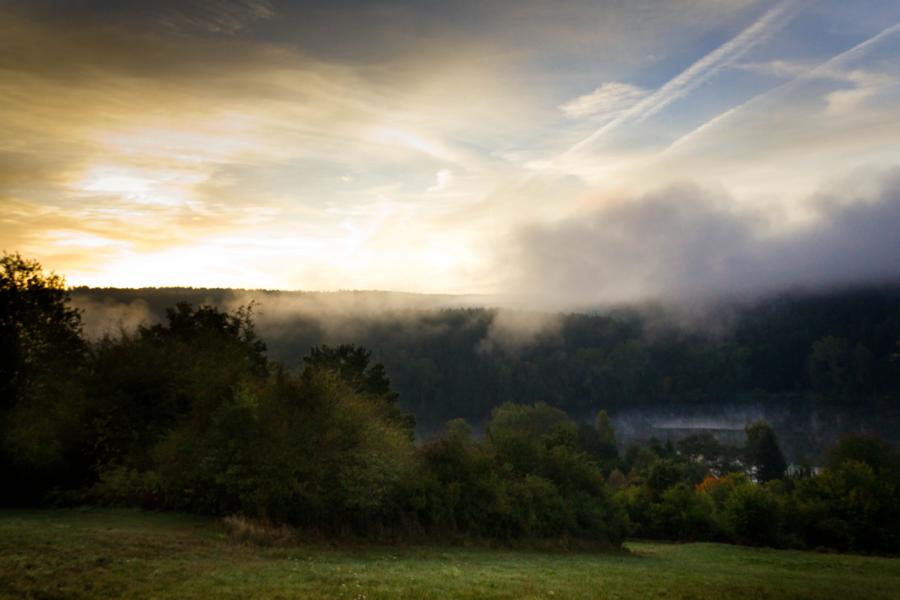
(763, 452)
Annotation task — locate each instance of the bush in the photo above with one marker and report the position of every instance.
(638, 506)
(458, 488)
(721, 488)
(120, 486)
(684, 514)
(529, 480)
(309, 452)
(753, 516)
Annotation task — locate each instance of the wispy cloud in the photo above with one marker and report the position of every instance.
(606, 101)
(225, 17)
(442, 180)
(215, 16)
(833, 68)
(700, 71)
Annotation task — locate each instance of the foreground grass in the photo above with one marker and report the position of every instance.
(117, 553)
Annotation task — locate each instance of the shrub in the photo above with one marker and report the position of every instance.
(121, 486)
(753, 516)
(684, 514)
(721, 488)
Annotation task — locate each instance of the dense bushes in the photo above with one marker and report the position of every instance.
(528, 478)
(311, 451)
(851, 505)
(189, 414)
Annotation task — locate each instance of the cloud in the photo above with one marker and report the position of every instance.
(442, 180)
(157, 144)
(216, 16)
(833, 68)
(685, 242)
(864, 84)
(168, 16)
(607, 100)
(701, 70)
(213, 135)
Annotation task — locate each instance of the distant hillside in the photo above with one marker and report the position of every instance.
(814, 364)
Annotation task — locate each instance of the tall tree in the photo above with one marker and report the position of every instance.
(37, 324)
(763, 452)
(600, 442)
(352, 365)
(41, 352)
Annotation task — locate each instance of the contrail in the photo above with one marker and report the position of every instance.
(682, 84)
(818, 71)
(699, 72)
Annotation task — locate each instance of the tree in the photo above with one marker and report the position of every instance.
(174, 374)
(207, 327)
(41, 354)
(521, 434)
(763, 453)
(600, 442)
(663, 475)
(37, 325)
(754, 516)
(836, 368)
(867, 449)
(351, 364)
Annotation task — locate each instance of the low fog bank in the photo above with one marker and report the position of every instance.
(334, 317)
(660, 370)
(804, 427)
(109, 310)
(687, 245)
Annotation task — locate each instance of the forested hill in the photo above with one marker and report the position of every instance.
(813, 364)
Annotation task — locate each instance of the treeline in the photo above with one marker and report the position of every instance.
(191, 414)
(833, 350)
(699, 489)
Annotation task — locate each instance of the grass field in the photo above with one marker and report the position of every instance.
(119, 553)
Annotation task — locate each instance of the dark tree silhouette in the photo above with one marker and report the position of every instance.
(41, 354)
(763, 452)
(351, 364)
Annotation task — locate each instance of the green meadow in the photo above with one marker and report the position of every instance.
(124, 553)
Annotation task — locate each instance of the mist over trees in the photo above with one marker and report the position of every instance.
(191, 413)
(812, 364)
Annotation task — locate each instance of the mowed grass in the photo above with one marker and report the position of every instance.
(120, 553)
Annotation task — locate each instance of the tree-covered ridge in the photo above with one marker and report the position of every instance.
(191, 414)
(833, 351)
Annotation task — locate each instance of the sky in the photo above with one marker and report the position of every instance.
(565, 152)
